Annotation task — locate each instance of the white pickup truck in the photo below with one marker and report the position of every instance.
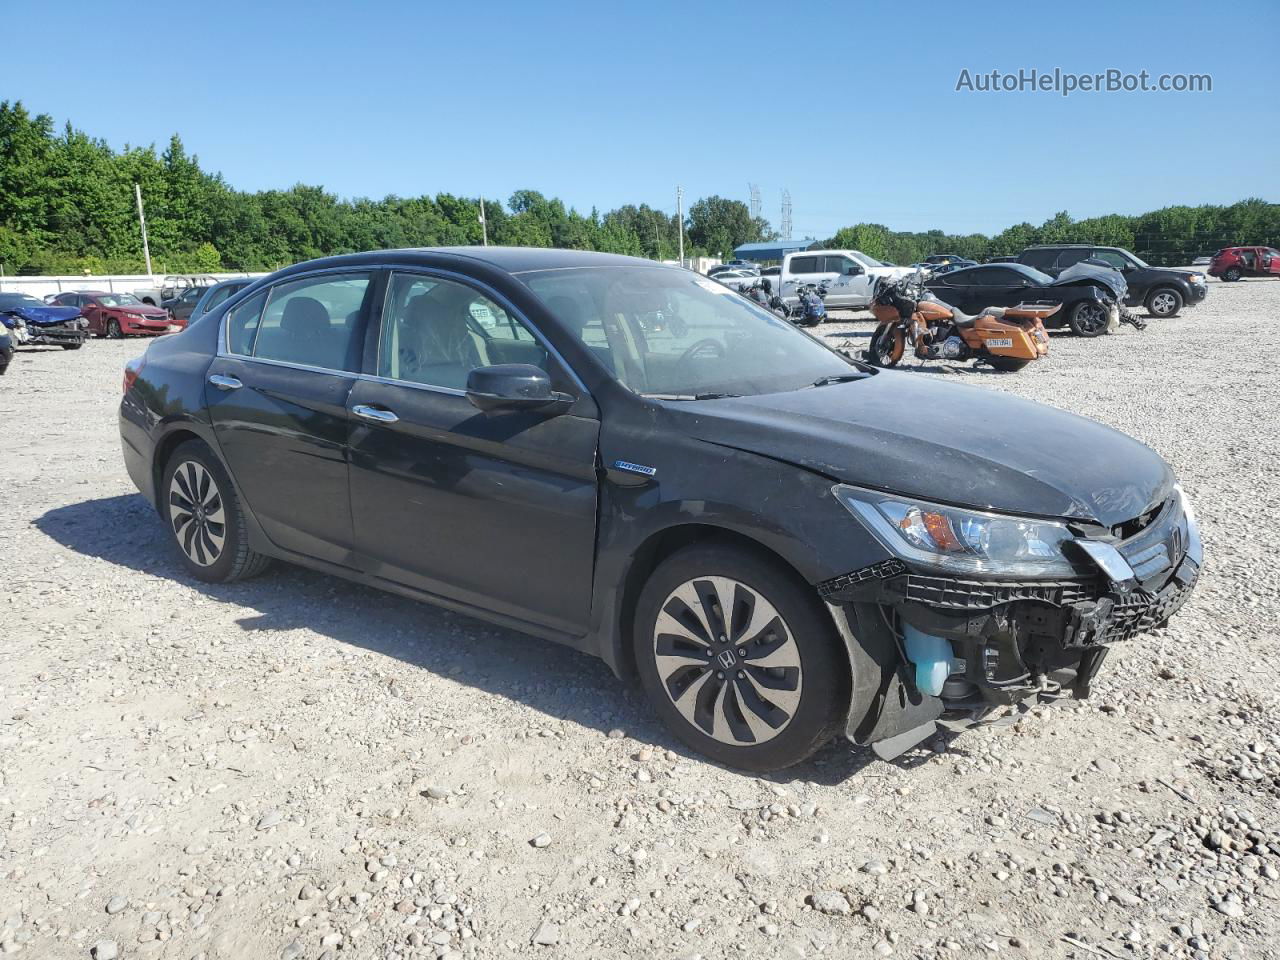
(849, 275)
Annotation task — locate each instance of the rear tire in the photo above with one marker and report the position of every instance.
(203, 512)
(1007, 364)
(767, 695)
(1164, 302)
(1232, 274)
(71, 346)
(1088, 319)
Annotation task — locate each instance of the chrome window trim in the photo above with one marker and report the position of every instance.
(488, 291)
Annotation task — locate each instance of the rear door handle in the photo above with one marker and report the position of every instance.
(376, 414)
(225, 383)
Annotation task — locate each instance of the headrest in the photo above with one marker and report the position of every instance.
(305, 316)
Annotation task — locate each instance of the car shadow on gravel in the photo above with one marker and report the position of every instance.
(552, 679)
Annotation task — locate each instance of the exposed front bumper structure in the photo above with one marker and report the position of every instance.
(57, 334)
(934, 647)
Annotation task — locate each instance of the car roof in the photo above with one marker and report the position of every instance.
(507, 259)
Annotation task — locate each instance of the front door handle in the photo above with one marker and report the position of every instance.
(225, 383)
(376, 414)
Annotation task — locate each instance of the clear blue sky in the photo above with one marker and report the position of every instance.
(851, 106)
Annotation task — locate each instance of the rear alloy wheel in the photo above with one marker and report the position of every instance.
(204, 515)
(113, 329)
(1164, 302)
(1232, 274)
(1089, 318)
(739, 658)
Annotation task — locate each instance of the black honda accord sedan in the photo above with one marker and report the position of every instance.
(780, 542)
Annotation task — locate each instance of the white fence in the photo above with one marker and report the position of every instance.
(119, 283)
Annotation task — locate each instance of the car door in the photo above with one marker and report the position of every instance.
(851, 284)
(1003, 287)
(958, 289)
(1270, 261)
(800, 270)
(277, 395)
(492, 510)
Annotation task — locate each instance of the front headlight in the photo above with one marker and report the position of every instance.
(964, 541)
(1197, 278)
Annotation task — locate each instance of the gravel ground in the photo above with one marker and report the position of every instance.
(297, 767)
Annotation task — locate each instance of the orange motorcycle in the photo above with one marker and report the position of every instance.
(1007, 338)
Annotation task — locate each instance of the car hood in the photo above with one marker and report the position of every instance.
(143, 310)
(1106, 277)
(910, 434)
(44, 316)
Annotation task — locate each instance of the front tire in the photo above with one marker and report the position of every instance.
(739, 658)
(1165, 302)
(1088, 319)
(205, 517)
(886, 347)
(71, 346)
(113, 330)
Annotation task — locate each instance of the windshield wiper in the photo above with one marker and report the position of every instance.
(840, 378)
(691, 396)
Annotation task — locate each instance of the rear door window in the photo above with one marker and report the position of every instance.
(314, 322)
(800, 265)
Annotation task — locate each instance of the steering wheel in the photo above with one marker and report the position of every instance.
(707, 344)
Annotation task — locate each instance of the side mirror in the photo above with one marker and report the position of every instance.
(514, 386)
(853, 270)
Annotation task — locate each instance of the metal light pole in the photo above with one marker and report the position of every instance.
(142, 219)
(484, 227)
(680, 219)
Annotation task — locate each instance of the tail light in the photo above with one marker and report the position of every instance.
(131, 371)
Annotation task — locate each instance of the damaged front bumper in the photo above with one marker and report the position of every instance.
(58, 334)
(930, 648)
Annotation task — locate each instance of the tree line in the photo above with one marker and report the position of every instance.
(67, 207)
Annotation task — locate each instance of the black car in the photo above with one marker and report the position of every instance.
(780, 542)
(6, 350)
(1162, 290)
(1087, 302)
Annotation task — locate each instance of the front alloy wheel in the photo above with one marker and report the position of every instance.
(727, 661)
(1089, 319)
(739, 656)
(1164, 303)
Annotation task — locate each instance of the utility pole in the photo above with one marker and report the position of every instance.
(142, 219)
(680, 219)
(484, 227)
(786, 215)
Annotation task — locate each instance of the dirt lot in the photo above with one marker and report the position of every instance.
(296, 767)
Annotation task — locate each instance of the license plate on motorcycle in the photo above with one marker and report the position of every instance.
(1000, 342)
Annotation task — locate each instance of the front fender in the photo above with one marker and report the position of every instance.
(697, 492)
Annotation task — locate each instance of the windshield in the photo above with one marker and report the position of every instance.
(863, 259)
(8, 301)
(664, 331)
(118, 300)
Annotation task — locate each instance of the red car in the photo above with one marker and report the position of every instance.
(1232, 263)
(119, 314)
